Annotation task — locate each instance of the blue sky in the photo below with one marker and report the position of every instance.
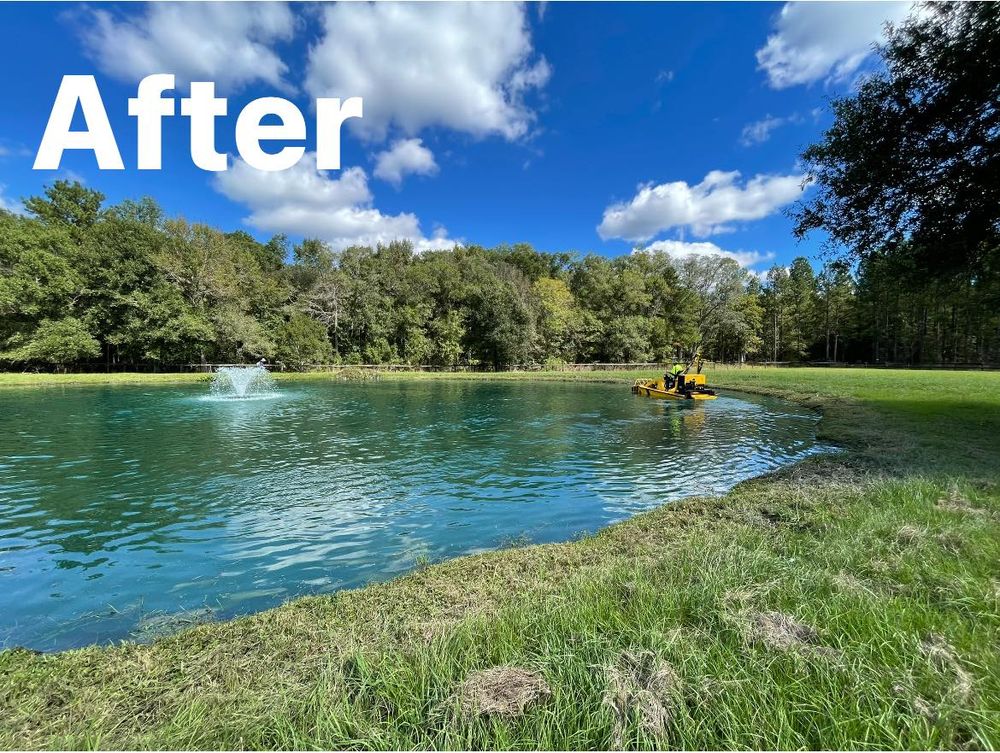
(590, 127)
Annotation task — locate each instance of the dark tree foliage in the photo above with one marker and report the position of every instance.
(911, 164)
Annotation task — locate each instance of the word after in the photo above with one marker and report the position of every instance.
(149, 107)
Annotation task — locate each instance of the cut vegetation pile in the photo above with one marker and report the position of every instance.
(848, 602)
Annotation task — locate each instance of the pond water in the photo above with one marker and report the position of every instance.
(122, 506)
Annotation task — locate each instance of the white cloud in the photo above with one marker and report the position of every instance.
(71, 176)
(760, 131)
(407, 156)
(705, 208)
(226, 42)
(463, 66)
(664, 77)
(824, 40)
(9, 205)
(305, 201)
(683, 250)
(13, 149)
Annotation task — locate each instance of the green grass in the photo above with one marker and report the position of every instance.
(946, 420)
(61, 380)
(15, 379)
(884, 555)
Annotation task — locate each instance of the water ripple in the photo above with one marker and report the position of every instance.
(117, 503)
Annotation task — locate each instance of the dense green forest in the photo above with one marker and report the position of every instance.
(125, 286)
(906, 188)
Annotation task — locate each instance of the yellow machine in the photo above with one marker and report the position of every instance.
(687, 387)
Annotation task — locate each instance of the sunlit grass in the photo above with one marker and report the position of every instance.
(55, 380)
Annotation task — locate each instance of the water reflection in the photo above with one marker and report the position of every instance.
(120, 502)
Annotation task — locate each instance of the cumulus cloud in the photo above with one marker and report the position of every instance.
(705, 208)
(229, 43)
(406, 157)
(306, 201)
(682, 250)
(464, 66)
(824, 40)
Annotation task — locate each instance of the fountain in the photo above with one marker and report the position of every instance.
(242, 382)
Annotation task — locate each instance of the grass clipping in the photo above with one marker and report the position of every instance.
(641, 684)
(501, 691)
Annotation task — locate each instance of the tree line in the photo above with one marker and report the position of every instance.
(906, 189)
(123, 286)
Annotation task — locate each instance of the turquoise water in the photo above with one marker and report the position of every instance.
(121, 506)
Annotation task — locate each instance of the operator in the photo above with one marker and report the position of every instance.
(671, 377)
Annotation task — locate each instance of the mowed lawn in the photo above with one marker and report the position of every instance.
(952, 418)
(848, 602)
(16, 379)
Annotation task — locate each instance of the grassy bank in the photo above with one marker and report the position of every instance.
(10, 379)
(67, 380)
(848, 602)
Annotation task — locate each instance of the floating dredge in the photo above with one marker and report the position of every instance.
(683, 387)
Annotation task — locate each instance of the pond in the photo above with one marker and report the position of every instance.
(123, 506)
